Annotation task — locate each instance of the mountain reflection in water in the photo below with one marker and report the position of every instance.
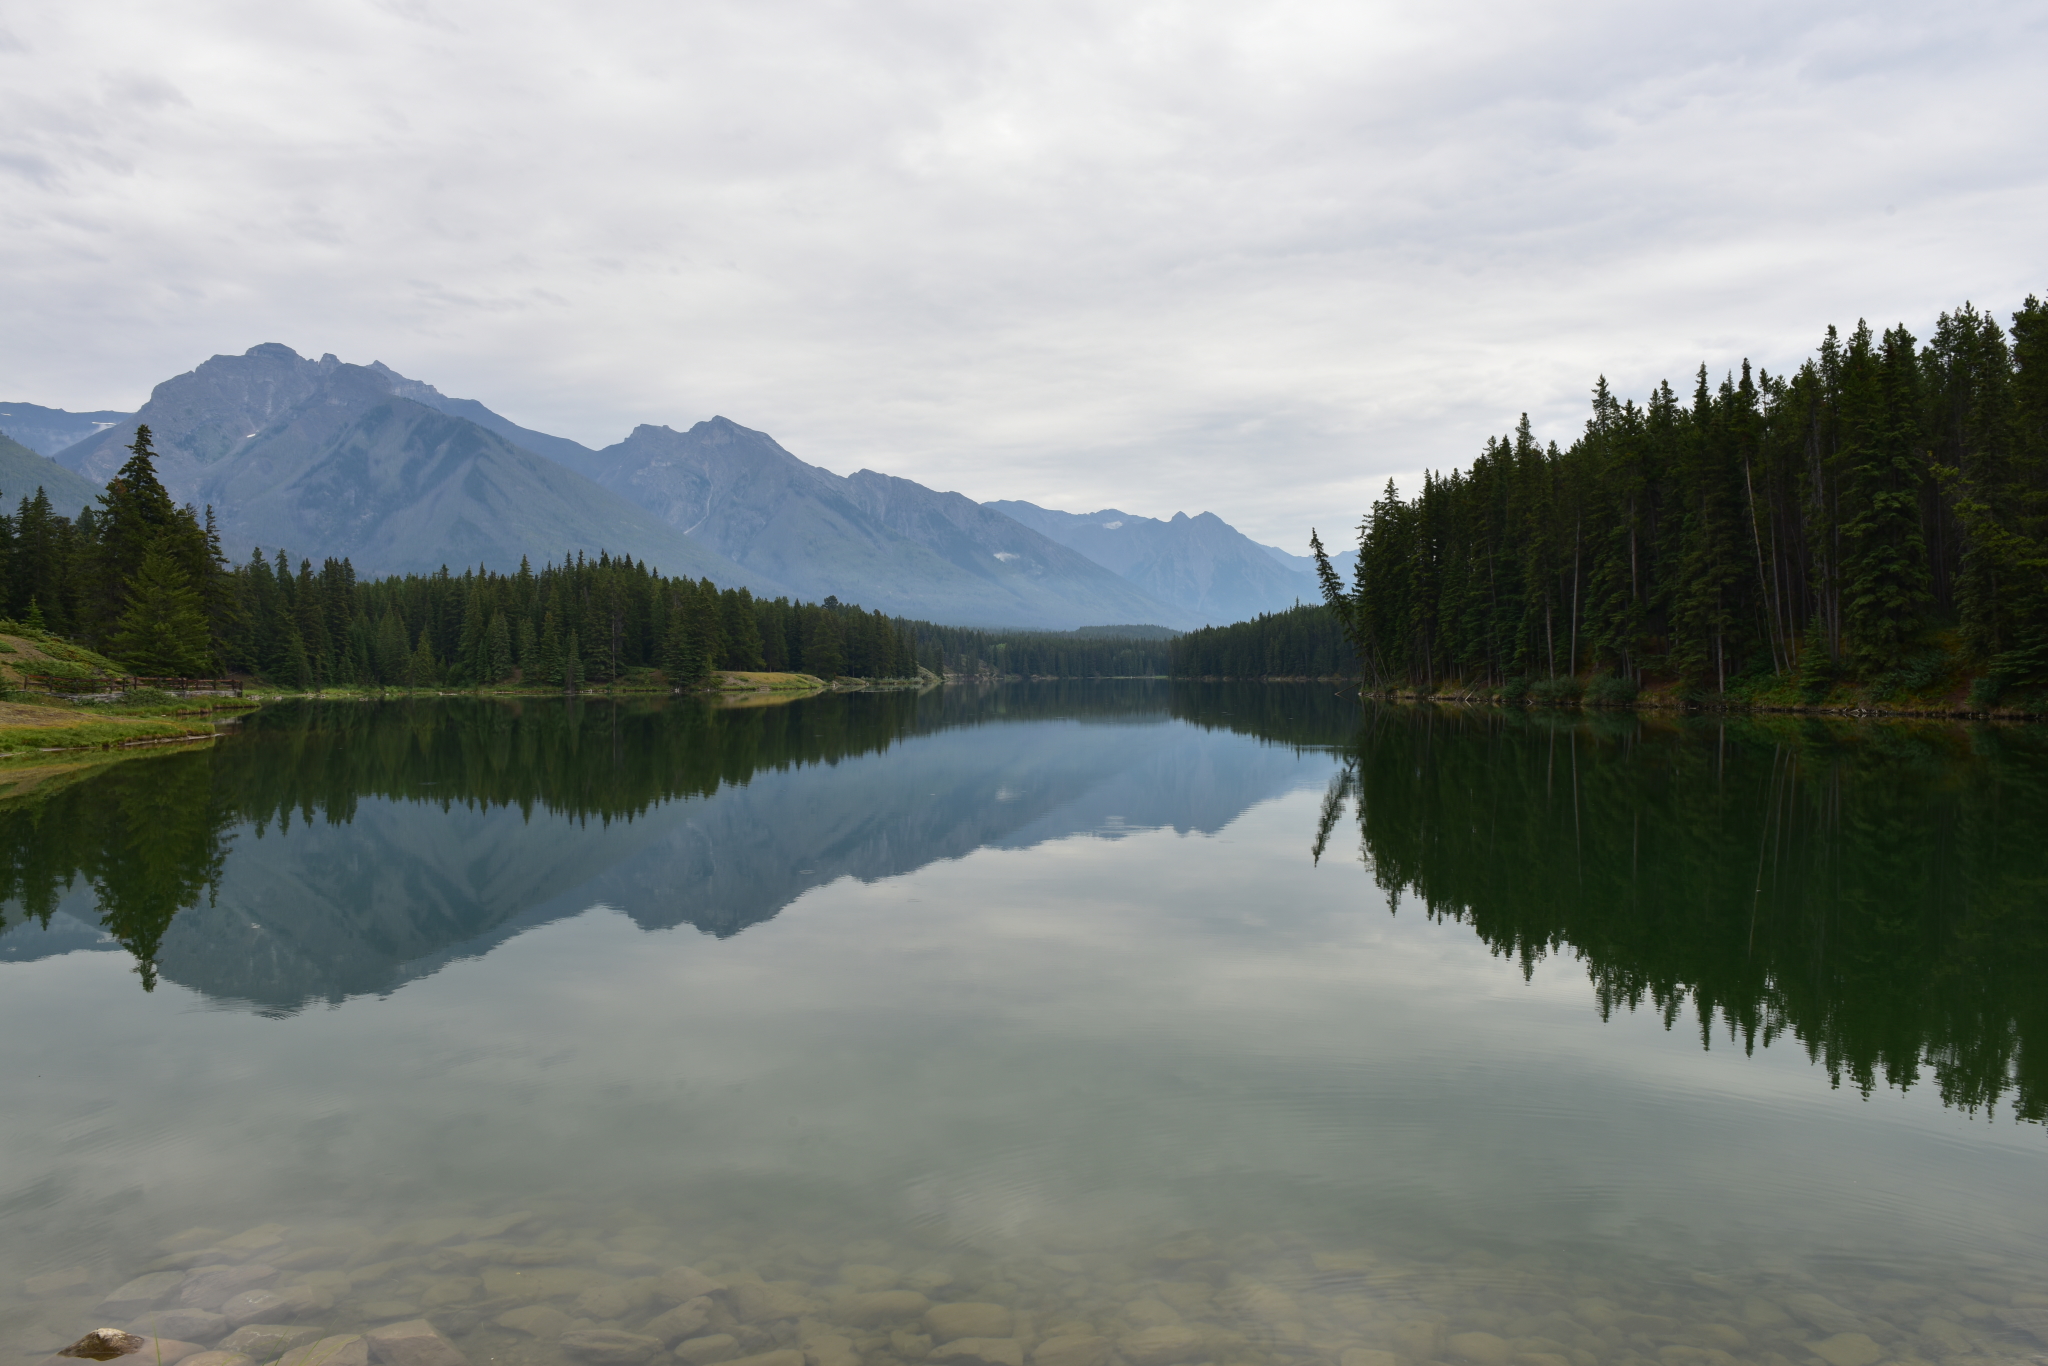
(291, 863)
(1878, 892)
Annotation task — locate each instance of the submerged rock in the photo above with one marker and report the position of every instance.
(1073, 1350)
(268, 1341)
(878, 1307)
(756, 1301)
(686, 1320)
(413, 1343)
(609, 1346)
(144, 1292)
(255, 1306)
(708, 1350)
(538, 1283)
(1823, 1313)
(681, 1283)
(210, 1287)
(343, 1349)
(979, 1352)
(1163, 1346)
(970, 1320)
(218, 1359)
(187, 1325)
(830, 1349)
(535, 1320)
(1367, 1356)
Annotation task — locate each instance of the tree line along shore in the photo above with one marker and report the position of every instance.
(1871, 526)
(144, 583)
(1870, 530)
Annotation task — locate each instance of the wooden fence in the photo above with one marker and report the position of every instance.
(71, 685)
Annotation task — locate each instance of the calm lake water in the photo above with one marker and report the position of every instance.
(1073, 1025)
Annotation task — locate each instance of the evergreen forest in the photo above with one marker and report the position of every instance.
(145, 583)
(1876, 517)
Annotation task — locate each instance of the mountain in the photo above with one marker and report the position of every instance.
(49, 430)
(22, 472)
(868, 538)
(324, 459)
(1202, 565)
(559, 449)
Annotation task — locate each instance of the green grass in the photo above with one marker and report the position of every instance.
(26, 729)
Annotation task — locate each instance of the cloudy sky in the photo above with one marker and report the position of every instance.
(1251, 258)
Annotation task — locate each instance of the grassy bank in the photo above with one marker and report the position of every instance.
(28, 728)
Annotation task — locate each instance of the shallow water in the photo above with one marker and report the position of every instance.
(1170, 1025)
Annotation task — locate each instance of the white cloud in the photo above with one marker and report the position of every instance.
(1161, 257)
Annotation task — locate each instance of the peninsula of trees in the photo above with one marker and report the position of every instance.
(1879, 515)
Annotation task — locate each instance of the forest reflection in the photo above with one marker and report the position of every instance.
(149, 835)
(1876, 892)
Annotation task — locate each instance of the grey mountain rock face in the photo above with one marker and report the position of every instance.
(882, 542)
(1202, 565)
(330, 459)
(560, 449)
(49, 430)
(323, 459)
(23, 471)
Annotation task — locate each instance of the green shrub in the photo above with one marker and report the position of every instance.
(1985, 692)
(1514, 690)
(1612, 691)
(1554, 692)
(147, 697)
(1911, 676)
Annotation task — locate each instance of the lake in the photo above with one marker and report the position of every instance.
(1070, 1024)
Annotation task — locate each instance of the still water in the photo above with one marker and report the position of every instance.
(1071, 1025)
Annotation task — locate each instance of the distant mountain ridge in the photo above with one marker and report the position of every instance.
(870, 538)
(49, 430)
(324, 458)
(1201, 564)
(23, 471)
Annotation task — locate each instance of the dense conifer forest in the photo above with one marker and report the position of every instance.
(1879, 515)
(1302, 642)
(145, 583)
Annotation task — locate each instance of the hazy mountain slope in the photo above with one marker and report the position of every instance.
(870, 539)
(1202, 564)
(990, 545)
(1341, 560)
(22, 472)
(322, 458)
(560, 449)
(49, 430)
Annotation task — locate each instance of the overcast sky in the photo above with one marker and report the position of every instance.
(1248, 258)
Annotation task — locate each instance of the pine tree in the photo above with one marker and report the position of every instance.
(497, 650)
(163, 630)
(421, 670)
